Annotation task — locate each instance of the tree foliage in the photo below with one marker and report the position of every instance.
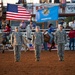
(68, 19)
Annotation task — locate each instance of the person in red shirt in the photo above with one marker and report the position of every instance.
(71, 36)
(6, 33)
(7, 28)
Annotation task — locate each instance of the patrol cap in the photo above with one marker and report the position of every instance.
(60, 25)
(16, 27)
(38, 27)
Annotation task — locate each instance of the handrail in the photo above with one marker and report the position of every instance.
(23, 30)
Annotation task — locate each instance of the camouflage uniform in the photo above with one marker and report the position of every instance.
(17, 41)
(38, 41)
(60, 40)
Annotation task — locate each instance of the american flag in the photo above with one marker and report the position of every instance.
(17, 12)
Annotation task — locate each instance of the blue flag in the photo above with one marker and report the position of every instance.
(47, 14)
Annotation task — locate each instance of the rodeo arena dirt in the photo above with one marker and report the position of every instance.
(48, 64)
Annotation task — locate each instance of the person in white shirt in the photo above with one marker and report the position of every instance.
(22, 25)
(72, 24)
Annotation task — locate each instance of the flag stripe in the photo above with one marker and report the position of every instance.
(18, 14)
(18, 18)
(22, 14)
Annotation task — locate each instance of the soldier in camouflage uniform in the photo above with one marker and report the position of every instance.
(38, 41)
(60, 40)
(17, 41)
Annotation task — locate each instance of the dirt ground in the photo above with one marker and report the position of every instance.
(48, 64)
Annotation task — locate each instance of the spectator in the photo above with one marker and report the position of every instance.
(60, 40)
(3, 24)
(19, 1)
(25, 4)
(56, 1)
(72, 24)
(63, 23)
(71, 36)
(22, 25)
(34, 25)
(29, 30)
(22, 2)
(63, 5)
(7, 30)
(6, 33)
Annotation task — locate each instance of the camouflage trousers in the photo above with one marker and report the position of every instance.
(61, 47)
(37, 51)
(17, 52)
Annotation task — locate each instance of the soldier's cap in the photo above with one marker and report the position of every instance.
(16, 27)
(60, 25)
